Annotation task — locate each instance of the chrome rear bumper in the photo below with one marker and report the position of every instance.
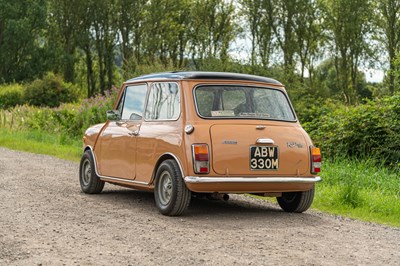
(206, 179)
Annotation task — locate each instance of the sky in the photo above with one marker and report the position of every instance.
(374, 75)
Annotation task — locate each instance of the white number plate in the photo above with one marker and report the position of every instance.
(264, 158)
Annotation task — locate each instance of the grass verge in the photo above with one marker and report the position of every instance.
(359, 189)
(42, 143)
(353, 188)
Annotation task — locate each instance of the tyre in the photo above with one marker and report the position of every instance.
(170, 192)
(296, 201)
(89, 181)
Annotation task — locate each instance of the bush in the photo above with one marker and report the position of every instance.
(68, 120)
(364, 131)
(309, 109)
(92, 111)
(50, 91)
(10, 96)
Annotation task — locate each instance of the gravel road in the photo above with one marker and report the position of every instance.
(46, 220)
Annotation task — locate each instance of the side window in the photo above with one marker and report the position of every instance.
(134, 98)
(164, 102)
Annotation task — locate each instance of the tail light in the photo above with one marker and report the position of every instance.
(201, 158)
(315, 160)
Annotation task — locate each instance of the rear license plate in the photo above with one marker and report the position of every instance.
(264, 158)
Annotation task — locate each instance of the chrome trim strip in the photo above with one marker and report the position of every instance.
(112, 178)
(94, 158)
(206, 179)
(177, 160)
(123, 180)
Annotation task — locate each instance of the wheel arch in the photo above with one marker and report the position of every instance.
(164, 157)
(89, 148)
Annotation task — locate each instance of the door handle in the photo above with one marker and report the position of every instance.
(134, 133)
(120, 123)
(265, 141)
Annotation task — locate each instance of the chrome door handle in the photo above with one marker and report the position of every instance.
(134, 133)
(120, 123)
(265, 141)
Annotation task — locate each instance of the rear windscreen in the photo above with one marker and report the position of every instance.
(243, 102)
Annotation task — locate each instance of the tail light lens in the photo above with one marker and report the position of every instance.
(315, 160)
(201, 158)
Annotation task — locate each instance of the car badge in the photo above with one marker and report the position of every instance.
(293, 144)
(233, 142)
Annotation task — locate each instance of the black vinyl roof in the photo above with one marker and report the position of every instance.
(204, 75)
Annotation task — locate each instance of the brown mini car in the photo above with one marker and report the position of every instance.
(184, 134)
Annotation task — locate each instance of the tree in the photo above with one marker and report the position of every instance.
(282, 14)
(131, 17)
(211, 32)
(388, 20)
(309, 36)
(85, 41)
(168, 25)
(105, 36)
(22, 43)
(348, 23)
(64, 21)
(256, 14)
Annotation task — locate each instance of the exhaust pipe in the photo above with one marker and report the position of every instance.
(218, 196)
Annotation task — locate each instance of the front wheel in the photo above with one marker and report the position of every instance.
(170, 192)
(89, 181)
(296, 201)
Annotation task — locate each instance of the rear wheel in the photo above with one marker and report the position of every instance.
(89, 181)
(171, 194)
(296, 201)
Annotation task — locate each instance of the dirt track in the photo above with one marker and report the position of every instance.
(46, 220)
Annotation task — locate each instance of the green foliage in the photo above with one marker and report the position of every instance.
(50, 91)
(350, 195)
(310, 110)
(68, 120)
(364, 131)
(22, 53)
(11, 95)
(42, 143)
(388, 22)
(395, 71)
(359, 189)
(85, 42)
(156, 66)
(349, 24)
(90, 112)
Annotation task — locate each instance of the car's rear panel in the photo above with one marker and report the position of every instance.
(281, 151)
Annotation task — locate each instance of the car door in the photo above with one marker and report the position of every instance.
(161, 128)
(117, 143)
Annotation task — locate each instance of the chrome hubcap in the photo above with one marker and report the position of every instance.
(86, 172)
(165, 189)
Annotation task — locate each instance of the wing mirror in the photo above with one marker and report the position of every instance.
(113, 115)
